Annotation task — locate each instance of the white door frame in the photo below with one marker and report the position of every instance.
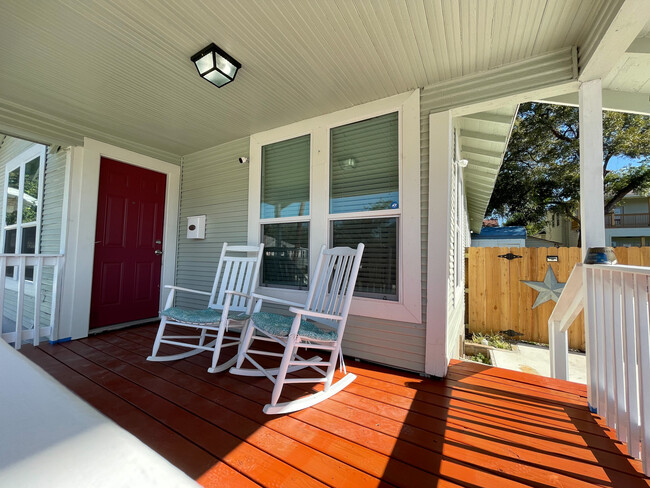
(83, 187)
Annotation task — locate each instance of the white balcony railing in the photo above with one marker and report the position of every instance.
(615, 299)
(29, 297)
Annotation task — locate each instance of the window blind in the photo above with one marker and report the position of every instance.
(286, 255)
(378, 273)
(364, 165)
(285, 178)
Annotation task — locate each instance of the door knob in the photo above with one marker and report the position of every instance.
(157, 252)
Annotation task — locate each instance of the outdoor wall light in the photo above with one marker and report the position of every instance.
(216, 65)
(349, 163)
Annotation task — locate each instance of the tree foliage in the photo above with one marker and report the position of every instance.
(540, 174)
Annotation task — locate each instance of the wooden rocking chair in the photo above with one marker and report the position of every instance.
(328, 304)
(229, 306)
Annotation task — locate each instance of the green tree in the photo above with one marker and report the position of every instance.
(540, 174)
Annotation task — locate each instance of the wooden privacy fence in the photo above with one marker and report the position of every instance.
(498, 300)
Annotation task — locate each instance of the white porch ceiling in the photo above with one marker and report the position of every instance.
(121, 69)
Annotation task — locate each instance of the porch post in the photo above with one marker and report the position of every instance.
(592, 200)
(440, 159)
(592, 205)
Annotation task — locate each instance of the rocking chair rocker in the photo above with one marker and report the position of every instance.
(328, 304)
(229, 306)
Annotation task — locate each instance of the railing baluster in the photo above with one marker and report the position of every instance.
(630, 344)
(56, 284)
(38, 277)
(601, 385)
(21, 301)
(590, 339)
(620, 390)
(610, 365)
(3, 273)
(643, 353)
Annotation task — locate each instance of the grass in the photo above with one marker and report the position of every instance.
(480, 358)
(494, 340)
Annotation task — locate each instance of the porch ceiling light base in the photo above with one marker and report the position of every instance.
(216, 65)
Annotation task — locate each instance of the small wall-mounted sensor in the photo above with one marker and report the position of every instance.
(243, 160)
(196, 227)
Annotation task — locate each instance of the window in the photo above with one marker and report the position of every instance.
(338, 180)
(284, 210)
(23, 190)
(364, 182)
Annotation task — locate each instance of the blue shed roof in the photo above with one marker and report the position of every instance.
(511, 232)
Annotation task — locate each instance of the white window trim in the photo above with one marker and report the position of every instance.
(408, 307)
(36, 151)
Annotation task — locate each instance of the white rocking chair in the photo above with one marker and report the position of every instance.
(229, 306)
(328, 304)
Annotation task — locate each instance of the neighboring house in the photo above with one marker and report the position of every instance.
(509, 236)
(385, 122)
(560, 229)
(629, 224)
(533, 241)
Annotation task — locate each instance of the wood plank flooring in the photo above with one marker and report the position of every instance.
(480, 427)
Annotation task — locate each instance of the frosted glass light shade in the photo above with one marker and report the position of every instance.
(216, 65)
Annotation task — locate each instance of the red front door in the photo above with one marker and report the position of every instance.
(128, 244)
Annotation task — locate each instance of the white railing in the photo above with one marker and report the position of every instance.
(566, 310)
(617, 329)
(28, 305)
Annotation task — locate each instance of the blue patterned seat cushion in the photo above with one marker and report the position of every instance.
(200, 317)
(280, 326)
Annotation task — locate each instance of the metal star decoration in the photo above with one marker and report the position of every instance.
(549, 289)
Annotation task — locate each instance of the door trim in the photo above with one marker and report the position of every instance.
(79, 248)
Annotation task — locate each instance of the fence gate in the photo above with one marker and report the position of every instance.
(499, 300)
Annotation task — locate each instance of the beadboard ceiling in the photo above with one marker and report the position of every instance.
(122, 67)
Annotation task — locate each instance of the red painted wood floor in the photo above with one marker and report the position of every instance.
(480, 427)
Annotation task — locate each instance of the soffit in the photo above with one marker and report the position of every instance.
(626, 88)
(632, 72)
(122, 67)
(482, 141)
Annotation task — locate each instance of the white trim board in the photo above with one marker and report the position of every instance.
(84, 185)
(440, 160)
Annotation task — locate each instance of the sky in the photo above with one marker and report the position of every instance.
(618, 162)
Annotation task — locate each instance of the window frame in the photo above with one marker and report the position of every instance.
(36, 151)
(408, 307)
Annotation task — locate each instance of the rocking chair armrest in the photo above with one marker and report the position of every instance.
(188, 290)
(318, 315)
(279, 301)
(231, 292)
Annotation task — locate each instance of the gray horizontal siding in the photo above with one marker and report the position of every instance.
(53, 192)
(393, 343)
(216, 185)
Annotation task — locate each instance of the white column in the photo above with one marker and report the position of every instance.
(73, 202)
(592, 201)
(440, 160)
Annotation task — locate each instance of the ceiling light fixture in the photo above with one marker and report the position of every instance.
(216, 65)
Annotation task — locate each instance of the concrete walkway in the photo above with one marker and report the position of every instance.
(536, 360)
